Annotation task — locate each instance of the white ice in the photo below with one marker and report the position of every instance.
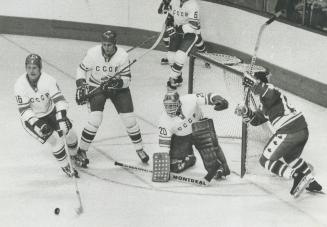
(32, 185)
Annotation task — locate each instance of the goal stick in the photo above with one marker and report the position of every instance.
(177, 177)
(80, 209)
(98, 89)
(248, 91)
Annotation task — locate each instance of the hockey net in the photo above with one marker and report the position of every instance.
(241, 143)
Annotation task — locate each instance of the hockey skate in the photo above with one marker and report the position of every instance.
(143, 156)
(301, 181)
(164, 61)
(81, 159)
(314, 186)
(68, 171)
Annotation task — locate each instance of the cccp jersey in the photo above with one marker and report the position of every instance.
(181, 125)
(99, 68)
(186, 15)
(38, 101)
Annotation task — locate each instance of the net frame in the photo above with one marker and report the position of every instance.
(232, 65)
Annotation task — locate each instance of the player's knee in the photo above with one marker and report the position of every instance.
(72, 141)
(180, 57)
(129, 120)
(171, 57)
(95, 119)
(55, 141)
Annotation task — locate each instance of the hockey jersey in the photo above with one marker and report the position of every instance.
(275, 108)
(97, 68)
(181, 125)
(186, 15)
(39, 101)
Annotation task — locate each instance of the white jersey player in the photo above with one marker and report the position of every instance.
(182, 125)
(105, 74)
(183, 27)
(43, 110)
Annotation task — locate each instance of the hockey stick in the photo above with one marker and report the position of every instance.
(141, 44)
(80, 209)
(98, 89)
(177, 177)
(247, 91)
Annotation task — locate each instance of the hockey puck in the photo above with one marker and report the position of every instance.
(57, 211)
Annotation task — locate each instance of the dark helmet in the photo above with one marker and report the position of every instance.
(34, 59)
(172, 103)
(263, 76)
(109, 36)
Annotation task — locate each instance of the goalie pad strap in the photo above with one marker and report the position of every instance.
(161, 167)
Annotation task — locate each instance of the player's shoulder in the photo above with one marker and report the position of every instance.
(46, 79)
(121, 52)
(20, 82)
(192, 4)
(188, 98)
(95, 50)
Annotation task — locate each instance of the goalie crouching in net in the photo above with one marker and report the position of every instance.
(181, 126)
(282, 153)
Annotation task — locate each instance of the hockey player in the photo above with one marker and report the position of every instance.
(43, 110)
(182, 125)
(105, 70)
(163, 9)
(282, 154)
(183, 28)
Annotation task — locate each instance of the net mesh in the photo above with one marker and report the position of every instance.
(227, 82)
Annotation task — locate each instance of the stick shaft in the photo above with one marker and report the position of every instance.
(177, 177)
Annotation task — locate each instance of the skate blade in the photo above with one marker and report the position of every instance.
(302, 185)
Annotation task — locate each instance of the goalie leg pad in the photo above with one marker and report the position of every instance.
(161, 167)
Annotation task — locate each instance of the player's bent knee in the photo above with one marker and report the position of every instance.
(180, 57)
(55, 141)
(95, 118)
(128, 119)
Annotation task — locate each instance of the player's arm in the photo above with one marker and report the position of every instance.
(255, 118)
(27, 114)
(61, 106)
(214, 99)
(83, 69)
(193, 19)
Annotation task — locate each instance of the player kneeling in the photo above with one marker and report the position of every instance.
(43, 111)
(282, 154)
(181, 126)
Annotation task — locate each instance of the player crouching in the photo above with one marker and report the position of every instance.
(43, 111)
(181, 126)
(282, 154)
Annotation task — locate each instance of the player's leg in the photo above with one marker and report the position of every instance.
(123, 103)
(166, 40)
(206, 142)
(200, 45)
(95, 117)
(187, 43)
(181, 153)
(286, 145)
(52, 138)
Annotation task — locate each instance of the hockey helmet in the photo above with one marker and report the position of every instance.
(34, 59)
(172, 103)
(109, 36)
(263, 76)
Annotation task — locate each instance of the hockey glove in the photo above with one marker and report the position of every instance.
(249, 81)
(245, 112)
(112, 83)
(64, 123)
(171, 31)
(219, 102)
(42, 128)
(164, 7)
(81, 92)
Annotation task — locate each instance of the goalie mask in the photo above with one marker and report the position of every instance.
(172, 103)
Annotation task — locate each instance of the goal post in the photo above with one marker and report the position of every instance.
(242, 143)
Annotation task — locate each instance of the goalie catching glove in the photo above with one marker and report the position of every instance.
(219, 102)
(112, 83)
(245, 112)
(81, 92)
